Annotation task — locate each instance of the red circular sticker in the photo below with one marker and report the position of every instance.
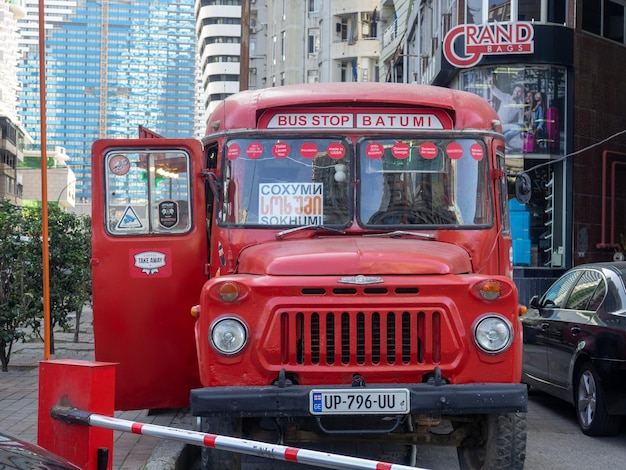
(254, 150)
(454, 150)
(233, 151)
(336, 151)
(428, 150)
(477, 152)
(280, 150)
(374, 150)
(400, 150)
(119, 165)
(308, 150)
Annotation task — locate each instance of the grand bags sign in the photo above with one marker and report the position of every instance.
(465, 45)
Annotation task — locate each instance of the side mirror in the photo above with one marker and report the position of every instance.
(523, 188)
(214, 183)
(534, 302)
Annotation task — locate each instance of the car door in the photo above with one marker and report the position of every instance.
(537, 324)
(567, 326)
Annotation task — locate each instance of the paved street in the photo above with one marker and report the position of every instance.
(19, 403)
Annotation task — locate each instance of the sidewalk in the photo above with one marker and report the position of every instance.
(19, 403)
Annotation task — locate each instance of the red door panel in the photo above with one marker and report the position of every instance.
(149, 249)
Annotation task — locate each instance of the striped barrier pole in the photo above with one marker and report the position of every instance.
(232, 444)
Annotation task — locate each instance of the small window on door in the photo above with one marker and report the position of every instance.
(147, 192)
(586, 291)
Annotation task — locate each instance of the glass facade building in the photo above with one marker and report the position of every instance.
(111, 66)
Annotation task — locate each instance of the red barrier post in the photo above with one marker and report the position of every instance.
(87, 385)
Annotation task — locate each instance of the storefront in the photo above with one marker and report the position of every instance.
(525, 71)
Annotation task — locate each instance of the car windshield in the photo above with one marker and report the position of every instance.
(291, 182)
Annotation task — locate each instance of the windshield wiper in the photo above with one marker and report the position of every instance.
(399, 233)
(305, 227)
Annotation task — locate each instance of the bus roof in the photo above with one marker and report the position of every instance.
(242, 110)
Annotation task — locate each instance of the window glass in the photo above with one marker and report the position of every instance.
(604, 18)
(530, 101)
(287, 182)
(423, 182)
(147, 192)
(584, 290)
(499, 10)
(613, 21)
(556, 296)
(598, 296)
(529, 10)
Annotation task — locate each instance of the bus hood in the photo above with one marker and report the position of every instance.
(341, 256)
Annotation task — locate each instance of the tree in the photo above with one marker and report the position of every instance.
(69, 253)
(21, 272)
(18, 274)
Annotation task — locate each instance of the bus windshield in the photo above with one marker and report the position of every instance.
(287, 182)
(423, 182)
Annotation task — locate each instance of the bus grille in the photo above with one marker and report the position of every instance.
(363, 337)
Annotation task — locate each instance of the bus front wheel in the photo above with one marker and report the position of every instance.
(500, 445)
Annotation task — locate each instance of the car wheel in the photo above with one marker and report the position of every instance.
(591, 411)
(501, 445)
(213, 459)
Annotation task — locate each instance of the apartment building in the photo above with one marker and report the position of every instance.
(12, 133)
(289, 42)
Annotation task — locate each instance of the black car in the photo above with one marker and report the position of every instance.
(575, 344)
(18, 454)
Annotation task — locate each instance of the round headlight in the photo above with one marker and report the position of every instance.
(493, 334)
(228, 336)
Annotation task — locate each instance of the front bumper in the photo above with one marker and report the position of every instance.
(293, 400)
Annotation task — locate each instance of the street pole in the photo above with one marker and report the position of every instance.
(244, 54)
(44, 184)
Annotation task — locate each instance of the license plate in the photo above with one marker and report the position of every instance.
(360, 401)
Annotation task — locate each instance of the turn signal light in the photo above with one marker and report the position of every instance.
(228, 292)
(490, 289)
(195, 311)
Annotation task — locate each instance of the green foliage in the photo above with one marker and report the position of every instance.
(70, 268)
(21, 272)
(18, 277)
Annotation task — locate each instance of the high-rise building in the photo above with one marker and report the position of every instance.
(219, 49)
(288, 43)
(111, 66)
(12, 134)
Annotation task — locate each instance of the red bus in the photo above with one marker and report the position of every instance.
(346, 254)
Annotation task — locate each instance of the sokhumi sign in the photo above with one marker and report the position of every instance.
(477, 41)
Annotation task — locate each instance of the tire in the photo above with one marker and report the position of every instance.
(212, 459)
(591, 411)
(502, 444)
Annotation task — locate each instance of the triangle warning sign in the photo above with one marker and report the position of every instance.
(129, 220)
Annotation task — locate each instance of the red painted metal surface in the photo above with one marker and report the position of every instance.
(612, 242)
(235, 113)
(143, 322)
(81, 384)
(325, 256)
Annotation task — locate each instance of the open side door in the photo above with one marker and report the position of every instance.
(149, 248)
